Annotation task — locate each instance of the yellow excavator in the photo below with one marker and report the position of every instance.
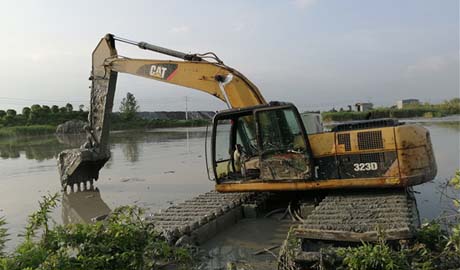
(256, 145)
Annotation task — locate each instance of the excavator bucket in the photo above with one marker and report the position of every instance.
(79, 166)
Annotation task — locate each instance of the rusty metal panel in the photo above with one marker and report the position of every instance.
(415, 154)
(322, 144)
(411, 136)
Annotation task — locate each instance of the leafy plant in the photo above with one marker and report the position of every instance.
(372, 256)
(432, 236)
(39, 219)
(454, 240)
(123, 241)
(3, 235)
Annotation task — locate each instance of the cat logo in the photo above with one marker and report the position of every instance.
(162, 71)
(158, 71)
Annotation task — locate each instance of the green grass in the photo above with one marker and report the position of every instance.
(27, 130)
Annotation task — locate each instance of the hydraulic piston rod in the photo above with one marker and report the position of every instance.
(158, 49)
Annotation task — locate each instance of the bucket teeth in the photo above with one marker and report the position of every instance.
(79, 166)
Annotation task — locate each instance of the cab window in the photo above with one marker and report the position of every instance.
(280, 131)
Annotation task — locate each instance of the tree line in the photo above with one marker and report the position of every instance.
(41, 115)
(39, 119)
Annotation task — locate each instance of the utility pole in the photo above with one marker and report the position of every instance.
(186, 107)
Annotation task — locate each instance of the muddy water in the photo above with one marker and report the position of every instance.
(155, 169)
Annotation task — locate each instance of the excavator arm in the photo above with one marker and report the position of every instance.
(193, 71)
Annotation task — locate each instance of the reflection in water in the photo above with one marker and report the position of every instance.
(83, 206)
(130, 149)
(37, 149)
(47, 147)
(130, 141)
(157, 136)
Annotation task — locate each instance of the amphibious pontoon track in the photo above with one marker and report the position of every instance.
(360, 215)
(351, 216)
(204, 216)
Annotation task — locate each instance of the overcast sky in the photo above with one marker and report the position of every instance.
(315, 53)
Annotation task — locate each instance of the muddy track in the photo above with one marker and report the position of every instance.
(349, 217)
(203, 216)
(364, 211)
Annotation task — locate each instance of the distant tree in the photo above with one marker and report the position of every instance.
(46, 109)
(2, 113)
(35, 111)
(63, 109)
(69, 107)
(129, 107)
(341, 109)
(81, 107)
(455, 100)
(11, 112)
(26, 112)
(55, 109)
(452, 106)
(35, 108)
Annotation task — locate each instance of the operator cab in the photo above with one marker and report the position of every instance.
(261, 143)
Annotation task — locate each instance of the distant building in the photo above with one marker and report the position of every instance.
(403, 103)
(364, 107)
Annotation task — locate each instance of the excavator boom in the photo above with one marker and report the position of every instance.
(193, 71)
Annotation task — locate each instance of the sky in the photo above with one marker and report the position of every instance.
(317, 54)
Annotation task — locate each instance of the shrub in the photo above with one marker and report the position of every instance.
(122, 241)
(378, 256)
(454, 240)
